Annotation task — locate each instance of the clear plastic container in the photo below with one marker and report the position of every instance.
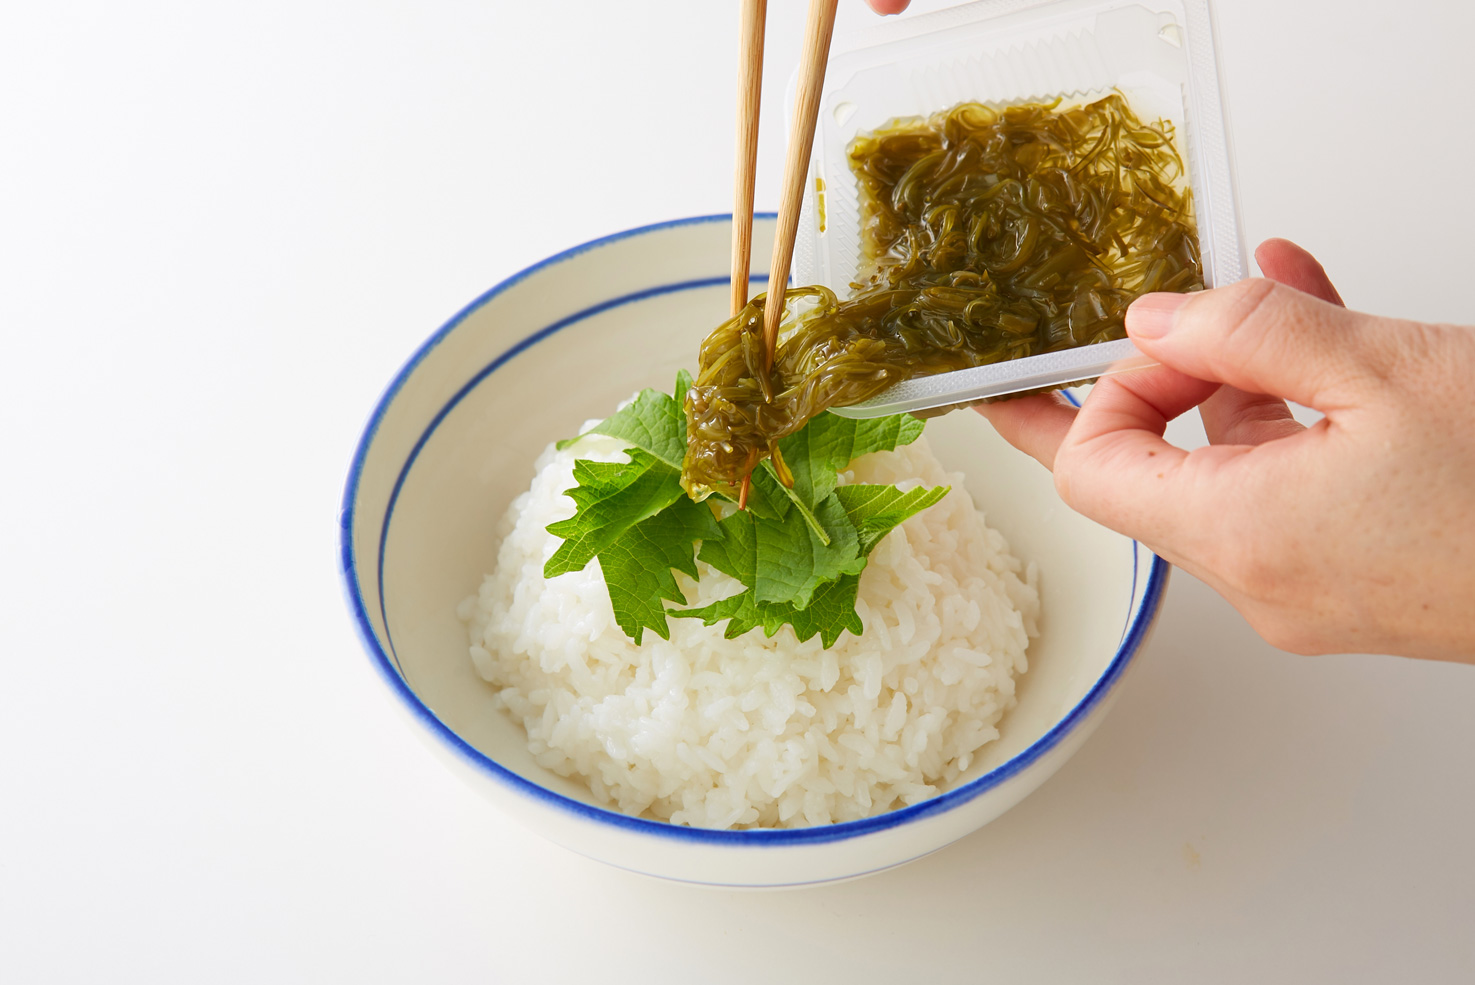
(1160, 54)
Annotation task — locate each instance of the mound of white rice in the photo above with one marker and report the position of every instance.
(758, 732)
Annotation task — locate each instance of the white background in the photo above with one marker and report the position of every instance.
(224, 226)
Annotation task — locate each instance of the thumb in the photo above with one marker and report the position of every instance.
(1264, 337)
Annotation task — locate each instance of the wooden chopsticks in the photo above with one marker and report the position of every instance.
(750, 87)
(817, 31)
(818, 28)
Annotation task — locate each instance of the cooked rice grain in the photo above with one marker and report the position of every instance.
(756, 732)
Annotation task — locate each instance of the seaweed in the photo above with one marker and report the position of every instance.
(987, 234)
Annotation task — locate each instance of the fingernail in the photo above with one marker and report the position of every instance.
(1152, 315)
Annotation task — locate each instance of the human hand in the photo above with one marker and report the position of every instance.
(1355, 534)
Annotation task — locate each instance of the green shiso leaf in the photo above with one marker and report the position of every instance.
(870, 511)
(793, 560)
(831, 612)
(831, 608)
(767, 498)
(654, 423)
(798, 551)
(637, 567)
(634, 516)
(736, 551)
(788, 497)
(611, 497)
(875, 510)
(817, 452)
(783, 561)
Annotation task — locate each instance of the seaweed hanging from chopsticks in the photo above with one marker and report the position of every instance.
(987, 234)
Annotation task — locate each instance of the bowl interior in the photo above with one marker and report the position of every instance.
(526, 365)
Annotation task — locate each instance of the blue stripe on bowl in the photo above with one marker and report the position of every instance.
(388, 665)
(492, 367)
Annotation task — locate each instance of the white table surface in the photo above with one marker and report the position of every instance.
(223, 226)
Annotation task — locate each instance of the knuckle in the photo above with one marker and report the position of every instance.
(1250, 308)
(1235, 323)
(1419, 357)
(1256, 312)
(1261, 322)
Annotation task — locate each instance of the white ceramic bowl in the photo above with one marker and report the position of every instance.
(453, 441)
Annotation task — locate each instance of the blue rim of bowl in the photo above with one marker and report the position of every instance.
(386, 665)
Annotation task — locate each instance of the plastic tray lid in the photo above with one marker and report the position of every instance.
(1160, 54)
